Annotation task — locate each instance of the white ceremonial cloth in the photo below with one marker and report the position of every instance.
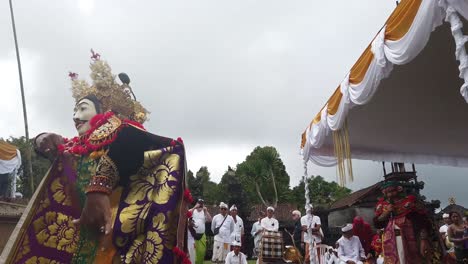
(9, 166)
(256, 227)
(200, 220)
(232, 258)
(443, 229)
(311, 221)
(270, 224)
(350, 249)
(226, 229)
(238, 229)
(191, 246)
(330, 258)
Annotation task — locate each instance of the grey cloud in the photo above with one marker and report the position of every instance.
(218, 73)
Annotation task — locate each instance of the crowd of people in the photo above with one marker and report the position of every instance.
(401, 230)
(228, 229)
(454, 235)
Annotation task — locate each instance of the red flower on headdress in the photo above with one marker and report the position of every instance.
(179, 139)
(173, 143)
(188, 196)
(60, 148)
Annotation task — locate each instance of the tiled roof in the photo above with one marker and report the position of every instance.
(354, 197)
(282, 211)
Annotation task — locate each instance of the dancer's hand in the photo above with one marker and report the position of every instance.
(47, 144)
(96, 214)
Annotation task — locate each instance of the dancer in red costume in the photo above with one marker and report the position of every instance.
(363, 230)
(407, 226)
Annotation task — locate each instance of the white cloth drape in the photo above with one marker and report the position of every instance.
(9, 166)
(461, 6)
(387, 53)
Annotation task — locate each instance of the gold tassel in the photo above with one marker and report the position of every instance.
(343, 154)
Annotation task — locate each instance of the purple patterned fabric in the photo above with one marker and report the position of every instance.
(145, 228)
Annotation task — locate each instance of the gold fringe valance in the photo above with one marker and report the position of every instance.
(343, 154)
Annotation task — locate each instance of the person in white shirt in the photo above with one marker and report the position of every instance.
(257, 233)
(269, 223)
(350, 250)
(235, 256)
(331, 256)
(312, 232)
(443, 231)
(200, 216)
(224, 224)
(238, 232)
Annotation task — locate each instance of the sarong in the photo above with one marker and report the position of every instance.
(200, 249)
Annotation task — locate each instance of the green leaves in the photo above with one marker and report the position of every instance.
(40, 166)
(322, 193)
(264, 171)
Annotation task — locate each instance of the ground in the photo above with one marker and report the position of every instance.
(249, 261)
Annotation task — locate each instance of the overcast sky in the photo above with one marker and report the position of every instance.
(226, 76)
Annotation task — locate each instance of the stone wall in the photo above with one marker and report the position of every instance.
(10, 213)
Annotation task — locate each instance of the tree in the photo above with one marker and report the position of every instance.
(194, 185)
(234, 192)
(264, 172)
(40, 166)
(202, 187)
(322, 193)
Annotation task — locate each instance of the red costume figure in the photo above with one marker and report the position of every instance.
(407, 226)
(363, 230)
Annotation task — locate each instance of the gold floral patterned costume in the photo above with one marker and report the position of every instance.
(148, 208)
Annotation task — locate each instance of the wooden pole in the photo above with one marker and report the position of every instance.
(25, 115)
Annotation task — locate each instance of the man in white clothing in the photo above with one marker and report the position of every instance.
(235, 256)
(200, 216)
(238, 232)
(443, 229)
(350, 250)
(312, 233)
(257, 233)
(331, 256)
(269, 223)
(222, 226)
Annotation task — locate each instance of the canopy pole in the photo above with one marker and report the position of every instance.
(23, 100)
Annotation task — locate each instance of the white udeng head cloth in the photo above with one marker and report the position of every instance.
(233, 207)
(347, 228)
(223, 205)
(445, 216)
(270, 208)
(236, 243)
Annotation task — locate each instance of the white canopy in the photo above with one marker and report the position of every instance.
(402, 98)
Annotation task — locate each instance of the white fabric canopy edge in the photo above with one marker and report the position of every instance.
(387, 53)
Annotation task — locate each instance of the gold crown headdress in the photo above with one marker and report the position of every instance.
(112, 96)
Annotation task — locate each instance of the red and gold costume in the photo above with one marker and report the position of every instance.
(143, 174)
(407, 227)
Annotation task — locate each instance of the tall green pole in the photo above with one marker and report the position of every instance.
(25, 115)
